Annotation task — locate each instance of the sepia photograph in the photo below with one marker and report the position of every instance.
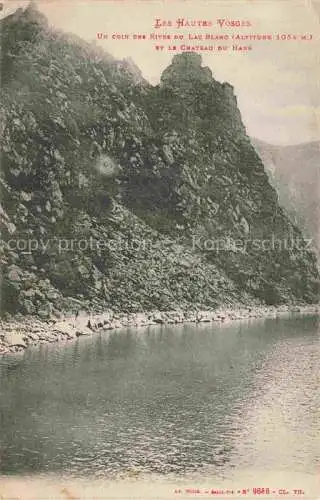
(160, 249)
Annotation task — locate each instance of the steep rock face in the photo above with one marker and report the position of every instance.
(93, 153)
(218, 192)
(295, 172)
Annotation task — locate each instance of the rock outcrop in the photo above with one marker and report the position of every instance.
(294, 171)
(117, 194)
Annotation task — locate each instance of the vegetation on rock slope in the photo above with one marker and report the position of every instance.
(92, 152)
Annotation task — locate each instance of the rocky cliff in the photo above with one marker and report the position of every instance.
(123, 195)
(295, 173)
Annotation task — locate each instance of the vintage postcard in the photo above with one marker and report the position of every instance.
(160, 215)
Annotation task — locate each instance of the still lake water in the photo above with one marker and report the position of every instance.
(207, 402)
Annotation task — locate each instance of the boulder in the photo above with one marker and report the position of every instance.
(108, 325)
(157, 317)
(107, 317)
(12, 338)
(33, 336)
(83, 331)
(44, 312)
(14, 273)
(52, 294)
(27, 306)
(117, 324)
(65, 328)
(204, 316)
(140, 319)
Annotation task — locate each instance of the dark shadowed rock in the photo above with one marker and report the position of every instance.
(124, 190)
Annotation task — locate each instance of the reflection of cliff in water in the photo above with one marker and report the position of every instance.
(165, 400)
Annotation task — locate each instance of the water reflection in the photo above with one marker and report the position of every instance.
(174, 400)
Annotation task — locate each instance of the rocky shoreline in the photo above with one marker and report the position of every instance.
(17, 335)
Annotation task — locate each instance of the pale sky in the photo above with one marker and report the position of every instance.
(277, 83)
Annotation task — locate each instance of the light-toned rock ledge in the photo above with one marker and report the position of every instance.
(17, 335)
